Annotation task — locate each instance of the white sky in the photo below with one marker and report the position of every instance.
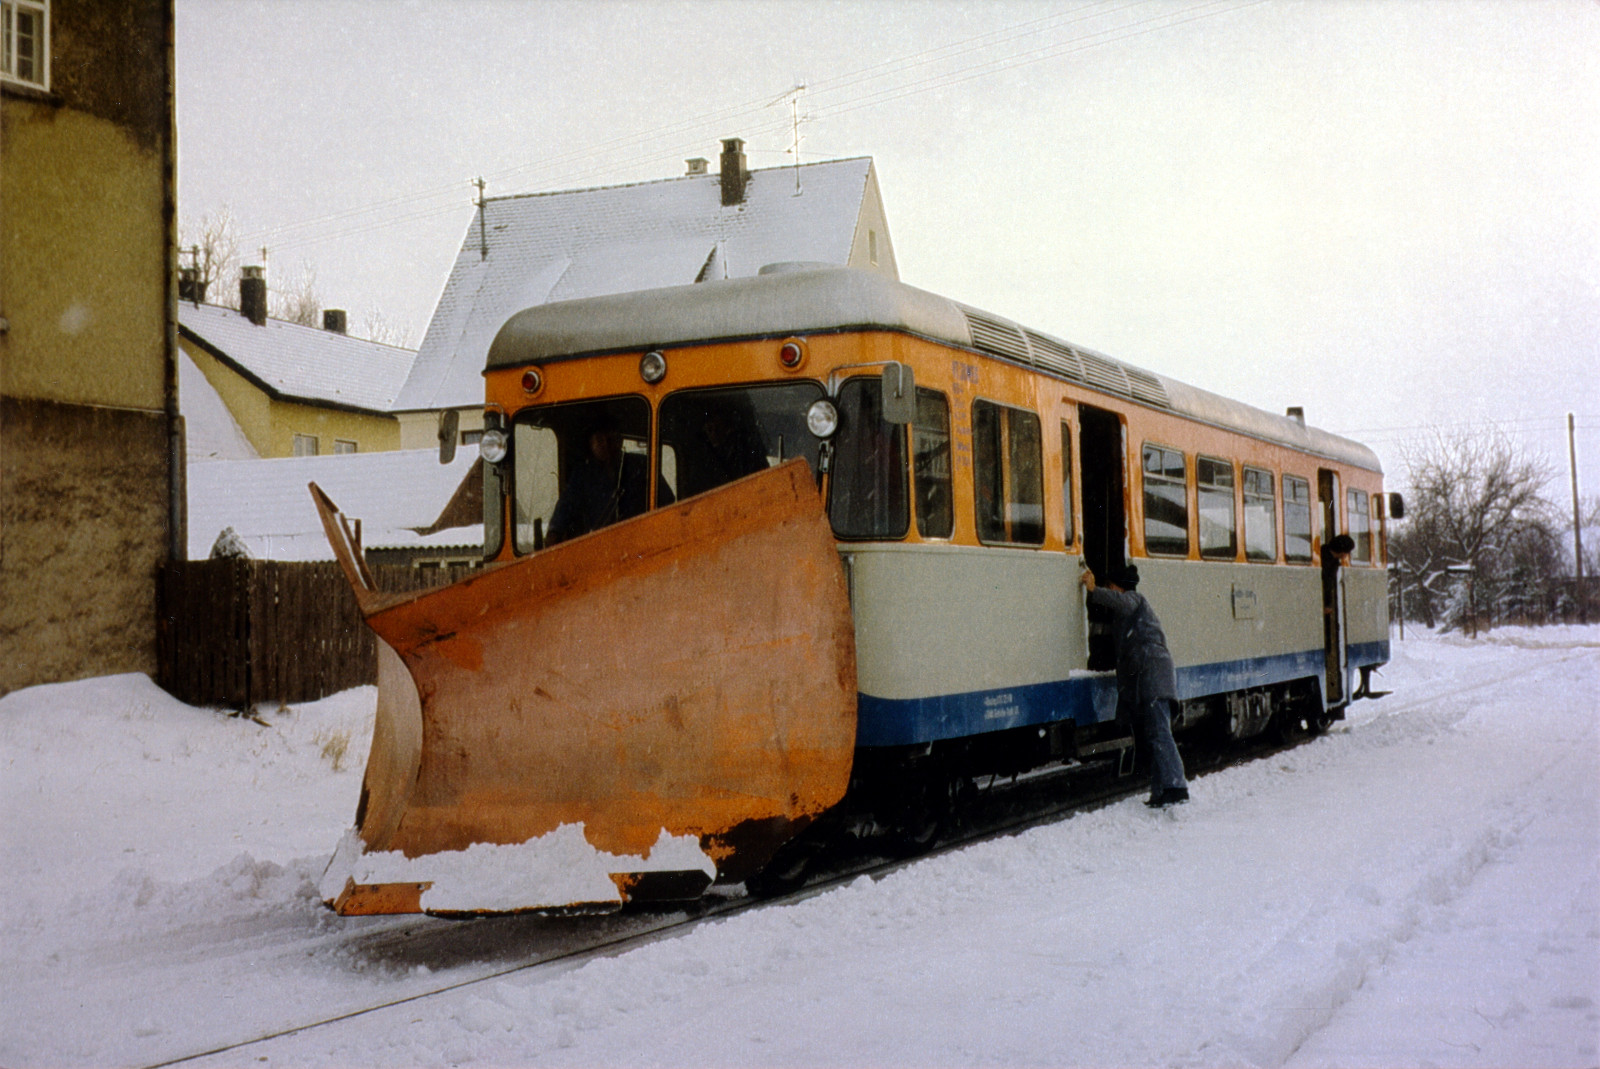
(1385, 211)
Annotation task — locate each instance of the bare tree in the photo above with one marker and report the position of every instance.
(375, 326)
(298, 301)
(211, 248)
(1478, 545)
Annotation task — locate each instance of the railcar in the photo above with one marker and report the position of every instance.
(830, 573)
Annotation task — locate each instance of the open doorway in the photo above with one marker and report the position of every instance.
(1105, 530)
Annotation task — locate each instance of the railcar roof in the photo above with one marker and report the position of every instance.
(798, 299)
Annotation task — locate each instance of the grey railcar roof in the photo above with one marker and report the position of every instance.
(806, 299)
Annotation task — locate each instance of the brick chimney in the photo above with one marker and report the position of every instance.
(334, 319)
(734, 175)
(253, 294)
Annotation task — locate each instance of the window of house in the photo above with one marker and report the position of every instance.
(1219, 535)
(1358, 516)
(1296, 520)
(305, 445)
(1166, 502)
(1260, 516)
(930, 464)
(1008, 474)
(342, 446)
(868, 492)
(1068, 534)
(24, 42)
(471, 437)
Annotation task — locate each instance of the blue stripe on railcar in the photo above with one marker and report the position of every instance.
(1084, 700)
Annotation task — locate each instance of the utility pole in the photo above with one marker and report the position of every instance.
(1577, 523)
(483, 234)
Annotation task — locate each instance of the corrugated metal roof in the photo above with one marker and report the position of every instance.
(302, 363)
(593, 242)
(831, 298)
(268, 505)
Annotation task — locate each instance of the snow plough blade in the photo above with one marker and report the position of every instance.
(628, 715)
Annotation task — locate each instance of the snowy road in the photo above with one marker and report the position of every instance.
(1421, 887)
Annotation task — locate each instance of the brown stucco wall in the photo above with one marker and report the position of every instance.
(82, 529)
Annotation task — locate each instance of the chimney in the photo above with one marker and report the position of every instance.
(1296, 413)
(253, 294)
(334, 319)
(734, 175)
(190, 288)
(698, 165)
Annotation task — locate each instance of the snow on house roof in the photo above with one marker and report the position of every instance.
(209, 429)
(592, 242)
(269, 507)
(298, 363)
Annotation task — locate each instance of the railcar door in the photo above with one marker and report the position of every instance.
(1105, 535)
(1336, 654)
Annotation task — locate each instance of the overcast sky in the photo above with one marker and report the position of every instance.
(1387, 211)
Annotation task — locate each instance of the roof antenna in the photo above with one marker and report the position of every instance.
(793, 96)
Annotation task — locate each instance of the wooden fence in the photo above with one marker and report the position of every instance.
(239, 633)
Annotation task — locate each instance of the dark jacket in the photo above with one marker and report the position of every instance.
(1144, 666)
(596, 497)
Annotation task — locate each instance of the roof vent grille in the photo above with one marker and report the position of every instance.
(996, 336)
(1147, 388)
(1055, 356)
(1105, 374)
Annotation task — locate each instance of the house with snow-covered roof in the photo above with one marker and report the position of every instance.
(294, 390)
(412, 509)
(526, 250)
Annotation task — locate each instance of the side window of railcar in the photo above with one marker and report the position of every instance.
(868, 495)
(577, 468)
(1360, 520)
(930, 464)
(712, 437)
(1066, 481)
(1260, 516)
(1008, 474)
(1296, 520)
(1166, 502)
(1219, 537)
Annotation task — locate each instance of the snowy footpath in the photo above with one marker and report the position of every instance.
(1421, 887)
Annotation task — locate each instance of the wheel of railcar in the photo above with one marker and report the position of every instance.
(786, 872)
(924, 817)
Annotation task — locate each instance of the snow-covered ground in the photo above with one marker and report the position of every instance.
(1420, 887)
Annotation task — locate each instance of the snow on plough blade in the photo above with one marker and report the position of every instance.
(628, 715)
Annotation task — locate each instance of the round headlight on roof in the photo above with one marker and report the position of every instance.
(492, 446)
(822, 418)
(653, 367)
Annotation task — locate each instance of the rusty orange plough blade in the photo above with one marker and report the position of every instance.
(631, 714)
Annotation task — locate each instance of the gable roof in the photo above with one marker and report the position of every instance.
(294, 363)
(614, 239)
(394, 494)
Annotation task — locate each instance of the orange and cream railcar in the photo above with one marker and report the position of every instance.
(958, 472)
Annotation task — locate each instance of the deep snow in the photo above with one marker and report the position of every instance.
(1420, 887)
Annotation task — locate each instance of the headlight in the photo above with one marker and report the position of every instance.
(822, 419)
(492, 446)
(652, 367)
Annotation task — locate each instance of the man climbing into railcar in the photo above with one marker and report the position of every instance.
(1147, 682)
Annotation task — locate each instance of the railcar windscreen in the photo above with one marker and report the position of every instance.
(869, 495)
(577, 468)
(711, 437)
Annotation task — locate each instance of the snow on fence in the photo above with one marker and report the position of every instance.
(238, 633)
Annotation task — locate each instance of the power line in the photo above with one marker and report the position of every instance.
(590, 159)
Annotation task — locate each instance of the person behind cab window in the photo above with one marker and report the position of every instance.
(605, 484)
